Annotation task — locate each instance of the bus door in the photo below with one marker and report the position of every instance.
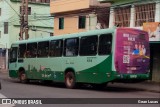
(13, 62)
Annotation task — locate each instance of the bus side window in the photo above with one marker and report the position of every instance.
(22, 51)
(88, 45)
(56, 47)
(71, 47)
(43, 49)
(13, 54)
(105, 44)
(31, 50)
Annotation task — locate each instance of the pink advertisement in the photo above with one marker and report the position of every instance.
(132, 53)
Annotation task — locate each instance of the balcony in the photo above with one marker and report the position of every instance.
(61, 6)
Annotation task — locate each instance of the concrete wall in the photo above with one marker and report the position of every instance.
(71, 24)
(68, 5)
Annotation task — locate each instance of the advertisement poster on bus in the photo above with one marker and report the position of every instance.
(153, 29)
(132, 51)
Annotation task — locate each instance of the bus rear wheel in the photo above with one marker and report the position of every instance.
(70, 80)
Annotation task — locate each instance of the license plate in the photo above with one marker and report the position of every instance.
(133, 76)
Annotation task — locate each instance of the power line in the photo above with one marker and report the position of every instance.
(12, 8)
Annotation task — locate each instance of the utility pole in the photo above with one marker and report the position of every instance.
(24, 20)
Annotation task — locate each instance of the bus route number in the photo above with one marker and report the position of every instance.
(90, 59)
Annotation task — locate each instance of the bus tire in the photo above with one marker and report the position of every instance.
(23, 77)
(70, 80)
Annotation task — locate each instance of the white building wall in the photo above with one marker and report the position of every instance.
(157, 14)
(132, 23)
(111, 18)
(91, 21)
(4, 39)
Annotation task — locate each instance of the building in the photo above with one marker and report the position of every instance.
(40, 22)
(140, 14)
(72, 16)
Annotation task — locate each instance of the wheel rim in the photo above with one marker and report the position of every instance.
(69, 80)
(23, 77)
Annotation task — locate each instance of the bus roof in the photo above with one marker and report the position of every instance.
(80, 34)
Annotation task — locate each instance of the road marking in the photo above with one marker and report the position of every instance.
(5, 105)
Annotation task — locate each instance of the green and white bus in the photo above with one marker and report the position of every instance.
(94, 57)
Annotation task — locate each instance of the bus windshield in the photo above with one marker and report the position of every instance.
(132, 51)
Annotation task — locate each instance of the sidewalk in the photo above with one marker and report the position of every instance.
(142, 86)
(4, 75)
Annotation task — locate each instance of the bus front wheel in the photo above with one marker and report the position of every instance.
(22, 77)
(70, 80)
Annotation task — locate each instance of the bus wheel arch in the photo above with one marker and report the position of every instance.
(70, 78)
(22, 75)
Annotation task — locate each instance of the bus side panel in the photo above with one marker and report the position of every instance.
(98, 73)
(13, 74)
(45, 69)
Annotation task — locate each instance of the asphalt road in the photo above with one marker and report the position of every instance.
(13, 89)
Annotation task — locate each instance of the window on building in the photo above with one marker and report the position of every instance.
(61, 23)
(29, 10)
(43, 49)
(22, 51)
(5, 27)
(144, 13)
(51, 34)
(105, 44)
(47, 1)
(102, 19)
(71, 47)
(31, 50)
(122, 16)
(39, 1)
(88, 45)
(82, 22)
(56, 47)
